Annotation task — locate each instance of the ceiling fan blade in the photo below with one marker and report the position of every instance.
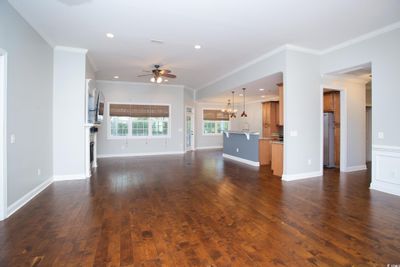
(172, 76)
(144, 75)
(165, 71)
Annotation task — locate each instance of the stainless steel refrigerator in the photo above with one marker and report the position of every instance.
(329, 140)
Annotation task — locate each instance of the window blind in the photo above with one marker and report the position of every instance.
(143, 111)
(215, 115)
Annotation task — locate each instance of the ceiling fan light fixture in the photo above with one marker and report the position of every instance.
(153, 80)
(159, 80)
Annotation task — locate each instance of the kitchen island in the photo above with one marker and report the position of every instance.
(242, 147)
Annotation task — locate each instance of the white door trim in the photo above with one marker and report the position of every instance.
(193, 129)
(3, 134)
(343, 128)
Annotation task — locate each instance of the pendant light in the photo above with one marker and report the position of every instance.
(244, 114)
(233, 113)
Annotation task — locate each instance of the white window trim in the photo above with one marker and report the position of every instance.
(111, 137)
(202, 123)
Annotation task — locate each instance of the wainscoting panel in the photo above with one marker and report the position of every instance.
(386, 169)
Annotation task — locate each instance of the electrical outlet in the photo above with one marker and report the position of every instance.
(381, 135)
(39, 172)
(12, 139)
(237, 149)
(309, 161)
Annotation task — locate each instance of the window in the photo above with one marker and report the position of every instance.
(119, 126)
(131, 120)
(215, 122)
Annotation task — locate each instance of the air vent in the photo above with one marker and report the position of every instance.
(154, 41)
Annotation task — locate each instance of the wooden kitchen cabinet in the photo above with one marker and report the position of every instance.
(281, 105)
(269, 118)
(328, 102)
(277, 158)
(264, 151)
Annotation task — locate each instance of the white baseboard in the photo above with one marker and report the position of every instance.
(27, 197)
(245, 161)
(355, 168)
(69, 177)
(385, 187)
(208, 147)
(301, 176)
(140, 154)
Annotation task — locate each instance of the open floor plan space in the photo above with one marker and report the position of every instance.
(199, 209)
(199, 133)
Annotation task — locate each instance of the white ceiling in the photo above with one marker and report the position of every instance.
(253, 93)
(231, 32)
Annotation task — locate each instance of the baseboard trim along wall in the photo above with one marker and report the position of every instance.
(386, 169)
(245, 161)
(355, 168)
(208, 147)
(69, 177)
(301, 176)
(140, 154)
(26, 198)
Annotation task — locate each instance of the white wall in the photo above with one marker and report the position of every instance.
(206, 141)
(253, 121)
(302, 111)
(69, 112)
(126, 92)
(383, 52)
(29, 104)
(3, 134)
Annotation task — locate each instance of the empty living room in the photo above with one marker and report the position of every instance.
(199, 133)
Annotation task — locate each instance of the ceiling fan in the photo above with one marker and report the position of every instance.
(158, 74)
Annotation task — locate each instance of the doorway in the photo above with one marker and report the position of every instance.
(331, 128)
(189, 126)
(3, 139)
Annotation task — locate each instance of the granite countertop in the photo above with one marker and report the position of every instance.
(242, 132)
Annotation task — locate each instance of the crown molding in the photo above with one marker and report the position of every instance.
(71, 49)
(361, 38)
(139, 83)
(248, 64)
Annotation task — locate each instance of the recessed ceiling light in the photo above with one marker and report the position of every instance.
(240, 94)
(197, 46)
(116, 77)
(110, 35)
(165, 80)
(263, 96)
(261, 89)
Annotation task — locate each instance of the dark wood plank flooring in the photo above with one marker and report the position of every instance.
(201, 210)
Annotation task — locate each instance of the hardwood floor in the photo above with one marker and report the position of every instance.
(201, 210)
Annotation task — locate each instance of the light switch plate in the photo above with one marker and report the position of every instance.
(381, 135)
(294, 133)
(12, 139)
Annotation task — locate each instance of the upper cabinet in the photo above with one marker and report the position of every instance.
(269, 111)
(281, 105)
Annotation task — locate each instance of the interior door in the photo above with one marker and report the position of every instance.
(189, 125)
